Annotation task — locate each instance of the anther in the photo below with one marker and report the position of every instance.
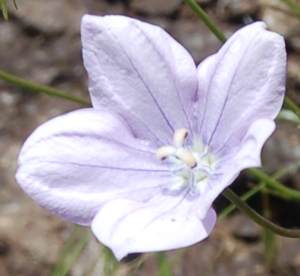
(179, 137)
(164, 152)
(187, 157)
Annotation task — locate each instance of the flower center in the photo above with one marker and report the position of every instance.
(191, 165)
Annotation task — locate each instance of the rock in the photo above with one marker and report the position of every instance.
(50, 17)
(205, 2)
(236, 9)
(155, 7)
(106, 7)
(244, 228)
(4, 247)
(294, 73)
(280, 19)
(289, 253)
(283, 148)
(195, 37)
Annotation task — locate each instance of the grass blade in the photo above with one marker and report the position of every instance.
(72, 250)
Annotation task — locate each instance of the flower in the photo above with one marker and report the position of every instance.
(164, 137)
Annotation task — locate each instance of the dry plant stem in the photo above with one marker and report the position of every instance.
(290, 233)
(39, 88)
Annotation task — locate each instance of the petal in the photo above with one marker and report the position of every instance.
(164, 223)
(139, 71)
(74, 163)
(246, 155)
(243, 82)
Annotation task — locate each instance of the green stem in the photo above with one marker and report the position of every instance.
(244, 197)
(206, 19)
(292, 106)
(290, 233)
(279, 174)
(285, 191)
(269, 237)
(39, 88)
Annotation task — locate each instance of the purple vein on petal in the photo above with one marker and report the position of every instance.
(210, 85)
(100, 166)
(92, 51)
(228, 93)
(143, 81)
(172, 207)
(170, 72)
(92, 136)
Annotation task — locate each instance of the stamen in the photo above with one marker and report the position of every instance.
(187, 157)
(164, 152)
(179, 137)
(191, 164)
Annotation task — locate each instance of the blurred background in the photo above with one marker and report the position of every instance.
(41, 42)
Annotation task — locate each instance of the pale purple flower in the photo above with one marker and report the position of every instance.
(164, 137)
